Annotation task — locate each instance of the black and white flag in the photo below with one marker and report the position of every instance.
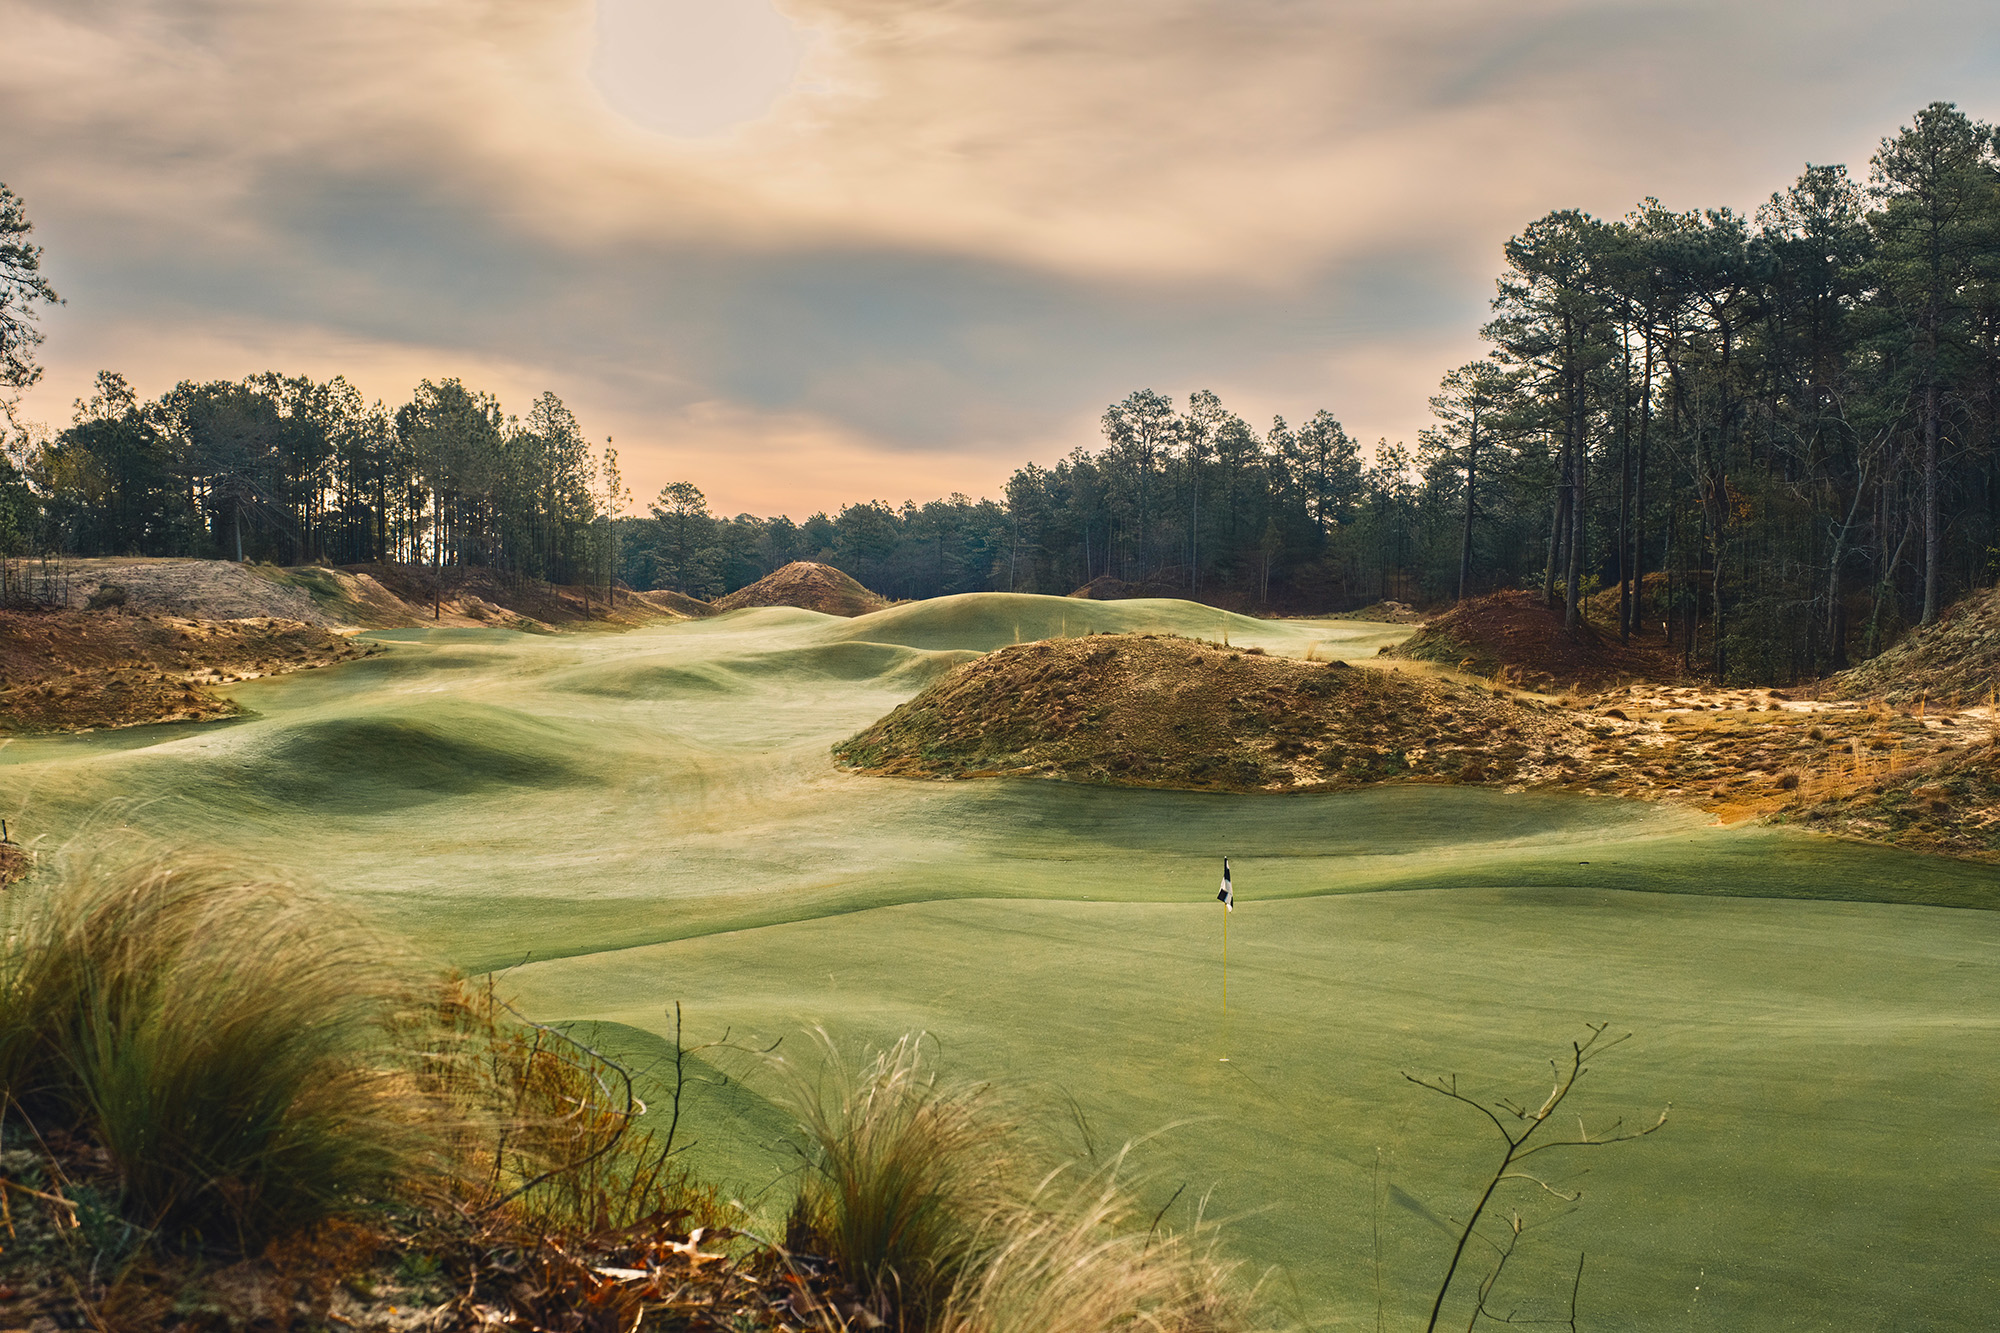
(1228, 895)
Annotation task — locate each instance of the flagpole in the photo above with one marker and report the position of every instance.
(1227, 897)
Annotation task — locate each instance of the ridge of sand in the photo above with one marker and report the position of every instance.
(808, 585)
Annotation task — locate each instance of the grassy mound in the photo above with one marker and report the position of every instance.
(810, 586)
(1957, 658)
(887, 664)
(391, 759)
(1512, 636)
(983, 621)
(1142, 710)
(1105, 588)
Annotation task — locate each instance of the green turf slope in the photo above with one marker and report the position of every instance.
(986, 620)
(1829, 1162)
(655, 816)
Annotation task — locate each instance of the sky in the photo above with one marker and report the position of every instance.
(804, 253)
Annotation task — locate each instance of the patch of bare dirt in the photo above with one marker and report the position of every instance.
(1387, 612)
(477, 597)
(84, 670)
(806, 584)
(403, 1273)
(1514, 638)
(363, 596)
(1154, 711)
(199, 589)
(1136, 710)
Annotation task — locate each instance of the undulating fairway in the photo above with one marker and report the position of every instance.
(629, 820)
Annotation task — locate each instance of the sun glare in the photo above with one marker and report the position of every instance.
(693, 68)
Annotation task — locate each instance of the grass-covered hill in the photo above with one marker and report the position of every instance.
(1153, 710)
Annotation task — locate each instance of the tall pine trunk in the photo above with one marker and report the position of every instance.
(1933, 530)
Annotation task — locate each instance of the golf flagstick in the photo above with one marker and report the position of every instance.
(1227, 897)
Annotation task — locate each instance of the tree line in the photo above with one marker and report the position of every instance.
(1770, 438)
(294, 471)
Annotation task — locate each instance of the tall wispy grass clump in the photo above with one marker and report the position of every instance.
(900, 1173)
(229, 1042)
(1083, 1258)
(922, 1193)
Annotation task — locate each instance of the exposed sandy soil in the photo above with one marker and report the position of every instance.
(83, 670)
(1512, 638)
(1383, 613)
(391, 596)
(1956, 659)
(1944, 799)
(1146, 710)
(364, 596)
(1130, 710)
(204, 589)
(805, 584)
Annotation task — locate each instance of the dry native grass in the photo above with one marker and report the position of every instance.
(222, 1041)
(1086, 1260)
(919, 1191)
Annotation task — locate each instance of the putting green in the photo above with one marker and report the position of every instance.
(654, 816)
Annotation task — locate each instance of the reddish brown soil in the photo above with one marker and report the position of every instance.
(1514, 638)
(81, 670)
(804, 584)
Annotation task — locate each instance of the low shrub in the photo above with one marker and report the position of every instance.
(107, 597)
(542, 1126)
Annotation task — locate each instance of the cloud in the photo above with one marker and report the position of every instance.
(957, 232)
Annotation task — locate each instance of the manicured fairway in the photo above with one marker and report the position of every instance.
(1829, 1162)
(654, 816)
